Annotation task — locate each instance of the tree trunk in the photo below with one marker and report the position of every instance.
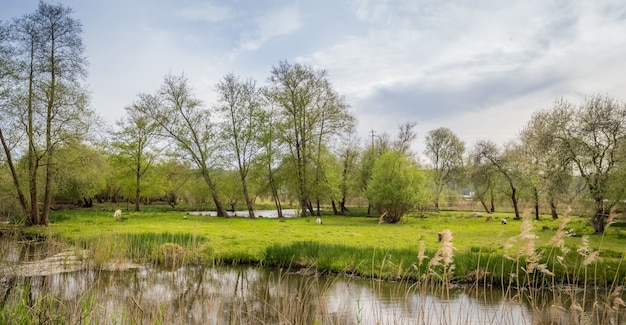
(597, 221)
(536, 199)
(514, 201)
(437, 206)
(15, 177)
(137, 185)
(335, 211)
(219, 207)
(492, 202)
(33, 160)
(317, 208)
(555, 215)
(484, 205)
(279, 208)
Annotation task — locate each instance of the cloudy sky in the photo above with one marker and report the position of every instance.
(478, 67)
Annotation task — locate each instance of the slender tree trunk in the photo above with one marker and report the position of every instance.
(33, 160)
(484, 205)
(536, 199)
(318, 212)
(514, 200)
(279, 208)
(219, 207)
(16, 180)
(137, 185)
(492, 202)
(335, 211)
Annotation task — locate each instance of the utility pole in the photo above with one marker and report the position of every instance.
(373, 135)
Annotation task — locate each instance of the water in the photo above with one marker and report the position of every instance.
(253, 295)
(287, 213)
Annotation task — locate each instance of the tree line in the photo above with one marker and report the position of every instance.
(291, 140)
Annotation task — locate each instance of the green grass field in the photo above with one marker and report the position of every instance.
(341, 244)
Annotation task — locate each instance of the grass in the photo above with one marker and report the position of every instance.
(343, 243)
(527, 260)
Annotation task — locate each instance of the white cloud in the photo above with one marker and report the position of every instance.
(205, 11)
(267, 27)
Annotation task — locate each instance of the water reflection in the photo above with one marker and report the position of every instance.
(251, 295)
(255, 295)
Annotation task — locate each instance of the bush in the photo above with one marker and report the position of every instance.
(396, 186)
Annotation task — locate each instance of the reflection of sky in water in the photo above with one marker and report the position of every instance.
(206, 295)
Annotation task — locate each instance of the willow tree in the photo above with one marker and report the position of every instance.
(312, 113)
(547, 164)
(239, 103)
(183, 120)
(593, 137)
(505, 162)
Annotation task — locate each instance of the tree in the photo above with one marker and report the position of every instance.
(49, 99)
(240, 105)
(311, 112)
(445, 151)
(406, 135)
(397, 185)
(594, 139)
(349, 154)
(547, 165)
(9, 123)
(135, 143)
(271, 150)
(80, 173)
(182, 119)
(489, 152)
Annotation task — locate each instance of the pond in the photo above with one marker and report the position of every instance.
(66, 286)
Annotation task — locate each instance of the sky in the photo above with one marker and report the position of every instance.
(479, 68)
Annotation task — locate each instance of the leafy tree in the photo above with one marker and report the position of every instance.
(504, 163)
(240, 106)
(349, 154)
(311, 112)
(397, 185)
(80, 173)
(593, 137)
(271, 150)
(182, 119)
(10, 133)
(135, 143)
(50, 100)
(445, 151)
(547, 165)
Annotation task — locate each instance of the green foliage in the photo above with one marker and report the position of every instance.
(396, 186)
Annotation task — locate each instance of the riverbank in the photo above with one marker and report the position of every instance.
(519, 253)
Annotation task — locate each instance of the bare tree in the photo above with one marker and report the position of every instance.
(406, 135)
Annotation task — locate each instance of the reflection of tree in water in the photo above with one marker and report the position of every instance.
(252, 295)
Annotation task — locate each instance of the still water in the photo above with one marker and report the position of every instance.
(140, 294)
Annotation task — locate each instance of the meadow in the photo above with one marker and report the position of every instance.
(556, 267)
(353, 244)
